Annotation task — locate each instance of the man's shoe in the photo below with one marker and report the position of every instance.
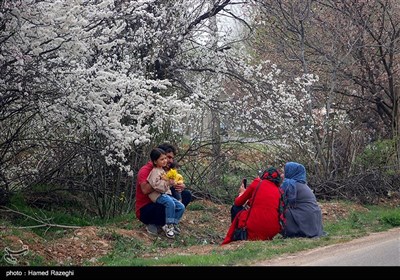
(152, 229)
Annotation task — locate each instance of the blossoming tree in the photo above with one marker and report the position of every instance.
(86, 83)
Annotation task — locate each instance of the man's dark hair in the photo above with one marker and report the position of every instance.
(168, 148)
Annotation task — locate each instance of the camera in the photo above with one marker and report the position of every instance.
(244, 181)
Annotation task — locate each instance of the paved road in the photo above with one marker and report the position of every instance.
(376, 249)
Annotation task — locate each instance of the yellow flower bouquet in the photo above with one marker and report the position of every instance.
(173, 174)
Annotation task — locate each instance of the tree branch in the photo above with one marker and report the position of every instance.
(42, 223)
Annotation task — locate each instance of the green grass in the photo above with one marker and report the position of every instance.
(130, 251)
(358, 224)
(33, 216)
(196, 206)
(386, 217)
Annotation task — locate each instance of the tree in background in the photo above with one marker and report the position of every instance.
(87, 86)
(352, 47)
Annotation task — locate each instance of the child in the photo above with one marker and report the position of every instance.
(178, 178)
(162, 194)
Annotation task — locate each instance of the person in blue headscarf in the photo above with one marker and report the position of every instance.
(303, 214)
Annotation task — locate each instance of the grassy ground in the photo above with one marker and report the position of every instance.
(124, 241)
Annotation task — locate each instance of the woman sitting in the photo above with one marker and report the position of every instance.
(261, 217)
(303, 214)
